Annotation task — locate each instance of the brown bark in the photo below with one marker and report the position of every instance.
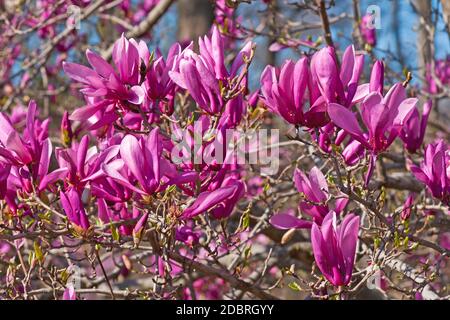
(423, 9)
(272, 23)
(195, 18)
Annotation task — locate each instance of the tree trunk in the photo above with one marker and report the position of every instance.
(195, 18)
(423, 42)
(272, 23)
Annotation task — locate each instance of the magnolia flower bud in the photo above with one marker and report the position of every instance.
(139, 228)
(66, 130)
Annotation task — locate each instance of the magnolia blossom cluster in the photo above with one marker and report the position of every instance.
(46, 18)
(113, 152)
(114, 173)
(327, 101)
(135, 164)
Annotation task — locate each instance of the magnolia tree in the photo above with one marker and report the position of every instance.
(270, 158)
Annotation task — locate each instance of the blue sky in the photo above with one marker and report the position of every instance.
(164, 34)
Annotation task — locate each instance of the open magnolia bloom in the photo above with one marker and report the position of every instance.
(334, 247)
(434, 170)
(225, 149)
(205, 75)
(106, 89)
(382, 117)
(315, 190)
(25, 157)
(413, 131)
(74, 209)
(284, 89)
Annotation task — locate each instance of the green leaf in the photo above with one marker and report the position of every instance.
(38, 252)
(294, 286)
(406, 242)
(397, 239)
(115, 233)
(64, 275)
(244, 221)
(376, 242)
(248, 252)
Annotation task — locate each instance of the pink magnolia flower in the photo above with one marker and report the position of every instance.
(139, 227)
(24, 177)
(442, 73)
(202, 155)
(225, 17)
(158, 85)
(434, 171)
(12, 147)
(66, 130)
(25, 157)
(339, 88)
(284, 89)
(219, 202)
(334, 247)
(407, 207)
(106, 89)
(205, 75)
(84, 163)
(140, 160)
(355, 151)
(336, 84)
(284, 93)
(225, 208)
(287, 220)
(106, 187)
(368, 32)
(413, 131)
(194, 143)
(235, 109)
(5, 170)
(376, 83)
(187, 235)
(383, 117)
(119, 212)
(69, 293)
(201, 83)
(74, 209)
(315, 190)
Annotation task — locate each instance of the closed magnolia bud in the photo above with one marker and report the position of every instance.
(139, 229)
(66, 130)
(287, 236)
(407, 207)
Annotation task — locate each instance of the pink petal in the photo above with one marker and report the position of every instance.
(286, 221)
